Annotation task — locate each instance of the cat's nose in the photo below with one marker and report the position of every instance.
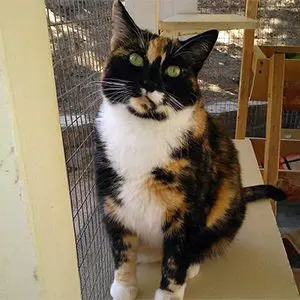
(149, 85)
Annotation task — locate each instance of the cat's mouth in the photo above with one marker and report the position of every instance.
(145, 108)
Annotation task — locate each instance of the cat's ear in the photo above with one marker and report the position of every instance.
(197, 48)
(124, 28)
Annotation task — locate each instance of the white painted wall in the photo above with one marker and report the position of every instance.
(17, 258)
(144, 11)
(37, 245)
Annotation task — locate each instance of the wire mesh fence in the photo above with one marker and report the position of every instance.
(79, 34)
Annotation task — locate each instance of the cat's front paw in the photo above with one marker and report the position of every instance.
(165, 295)
(121, 291)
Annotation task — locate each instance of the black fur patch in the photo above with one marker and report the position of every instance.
(163, 175)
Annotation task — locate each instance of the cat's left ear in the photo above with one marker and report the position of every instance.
(197, 48)
(124, 28)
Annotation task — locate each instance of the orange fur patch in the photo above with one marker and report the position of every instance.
(156, 49)
(169, 196)
(177, 166)
(200, 120)
(140, 104)
(194, 82)
(110, 208)
(126, 273)
(224, 199)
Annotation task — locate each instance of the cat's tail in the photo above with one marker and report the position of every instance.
(258, 192)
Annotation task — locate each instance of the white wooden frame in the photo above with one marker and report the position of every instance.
(167, 8)
(48, 258)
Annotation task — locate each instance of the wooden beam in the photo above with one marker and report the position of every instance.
(273, 127)
(245, 77)
(287, 146)
(183, 22)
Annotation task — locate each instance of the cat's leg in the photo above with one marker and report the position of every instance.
(174, 268)
(124, 246)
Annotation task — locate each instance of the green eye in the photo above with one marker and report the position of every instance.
(173, 71)
(136, 60)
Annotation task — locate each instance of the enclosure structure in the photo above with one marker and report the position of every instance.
(79, 33)
(38, 254)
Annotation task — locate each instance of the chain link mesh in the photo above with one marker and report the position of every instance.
(79, 33)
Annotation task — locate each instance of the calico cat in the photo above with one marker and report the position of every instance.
(167, 175)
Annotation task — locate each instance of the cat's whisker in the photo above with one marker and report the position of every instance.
(174, 101)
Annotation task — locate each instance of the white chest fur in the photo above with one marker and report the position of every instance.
(134, 147)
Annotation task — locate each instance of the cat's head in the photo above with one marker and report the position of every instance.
(153, 76)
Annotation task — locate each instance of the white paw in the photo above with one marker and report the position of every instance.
(121, 291)
(165, 295)
(193, 271)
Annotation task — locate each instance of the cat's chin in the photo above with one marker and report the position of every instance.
(150, 114)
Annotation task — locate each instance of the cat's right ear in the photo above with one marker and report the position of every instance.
(124, 28)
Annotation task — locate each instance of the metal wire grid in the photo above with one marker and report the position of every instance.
(279, 25)
(79, 34)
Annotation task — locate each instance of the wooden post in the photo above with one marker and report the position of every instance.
(37, 255)
(157, 16)
(274, 116)
(245, 74)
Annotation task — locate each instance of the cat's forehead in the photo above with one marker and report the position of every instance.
(158, 47)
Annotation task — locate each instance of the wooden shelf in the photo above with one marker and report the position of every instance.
(194, 22)
(260, 68)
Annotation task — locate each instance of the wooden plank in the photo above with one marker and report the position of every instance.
(270, 50)
(289, 175)
(244, 89)
(291, 95)
(273, 127)
(287, 147)
(259, 92)
(287, 133)
(157, 15)
(196, 22)
(260, 71)
(260, 67)
(292, 70)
